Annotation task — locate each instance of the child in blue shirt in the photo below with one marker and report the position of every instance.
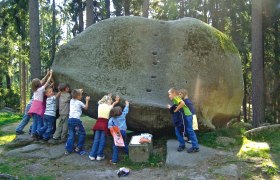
(118, 119)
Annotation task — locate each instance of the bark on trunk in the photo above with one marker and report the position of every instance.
(257, 64)
(145, 8)
(34, 39)
(89, 12)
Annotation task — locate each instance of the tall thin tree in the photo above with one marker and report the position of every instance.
(145, 8)
(89, 12)
(53, 32)
(107, 7)
(34, 39)
(81, 15)
(257, 64)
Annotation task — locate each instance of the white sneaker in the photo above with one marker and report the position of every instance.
(100, 158)
(91, 158)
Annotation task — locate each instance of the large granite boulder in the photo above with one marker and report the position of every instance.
(140, 59)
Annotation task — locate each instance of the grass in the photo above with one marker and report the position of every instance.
(209, 139)
(264, 145)
(7, 118)
(156, 160)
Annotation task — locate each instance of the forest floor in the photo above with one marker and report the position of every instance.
(224, 154)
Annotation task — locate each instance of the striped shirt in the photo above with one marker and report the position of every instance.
(51, 106)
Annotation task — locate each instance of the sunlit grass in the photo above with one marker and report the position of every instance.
(254, 149)
(262, 150)
(7, 139)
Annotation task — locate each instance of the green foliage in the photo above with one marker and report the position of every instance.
(270, 156)
(156, 160)
(7, 118)
(210, 138)
(9, 98)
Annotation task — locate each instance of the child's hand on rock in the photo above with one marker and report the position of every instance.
(117, 98)
(87, 98)
(126, 103)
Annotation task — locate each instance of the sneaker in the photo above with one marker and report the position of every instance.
(66, 153)
(91, 158)
(62, 140)
(193, 150)
(77, 149)
(19, 132)
(180, 149)
(113, 163)
(99, 158)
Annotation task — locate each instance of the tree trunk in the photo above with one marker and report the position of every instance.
(257, 64)
(81, 16)
(181, 8)
(8, 81)
(244, 104)
(145, 8)
(213, 13)
(205, 11)
(22, 86)
(127, 7)
(107, 7)
(118, 7)
(34, 39)
(89, 12)
(53, 33)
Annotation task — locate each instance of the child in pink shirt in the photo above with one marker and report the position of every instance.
(37, 108)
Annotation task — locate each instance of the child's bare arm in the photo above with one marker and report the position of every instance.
(182, 103)
(117, 100)
(58, 94)
(44, 78)
(87, 100)
(49, 79)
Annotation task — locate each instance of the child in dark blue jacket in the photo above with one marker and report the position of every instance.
(178, 122)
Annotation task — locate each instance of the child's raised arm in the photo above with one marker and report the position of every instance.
(49, 79)
(182, 103)
(44, 78)
(117, 100)
(87, 100)
(126, 108)
(58, 94)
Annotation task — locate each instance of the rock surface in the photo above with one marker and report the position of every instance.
(140, 59)
(175, 158)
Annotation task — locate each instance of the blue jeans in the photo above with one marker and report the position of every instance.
(98, 144)
(115, 157)
(73, 126)
(25, 119)
(190, 131)
(180, 138)
(46, 130)
(37, 123)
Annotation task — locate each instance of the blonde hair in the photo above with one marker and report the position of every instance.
(184, 92)
(105, 100)
(173, 90)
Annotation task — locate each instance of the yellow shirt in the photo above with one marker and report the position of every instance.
(104, 111)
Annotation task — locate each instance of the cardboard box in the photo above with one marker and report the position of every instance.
(139, 152)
